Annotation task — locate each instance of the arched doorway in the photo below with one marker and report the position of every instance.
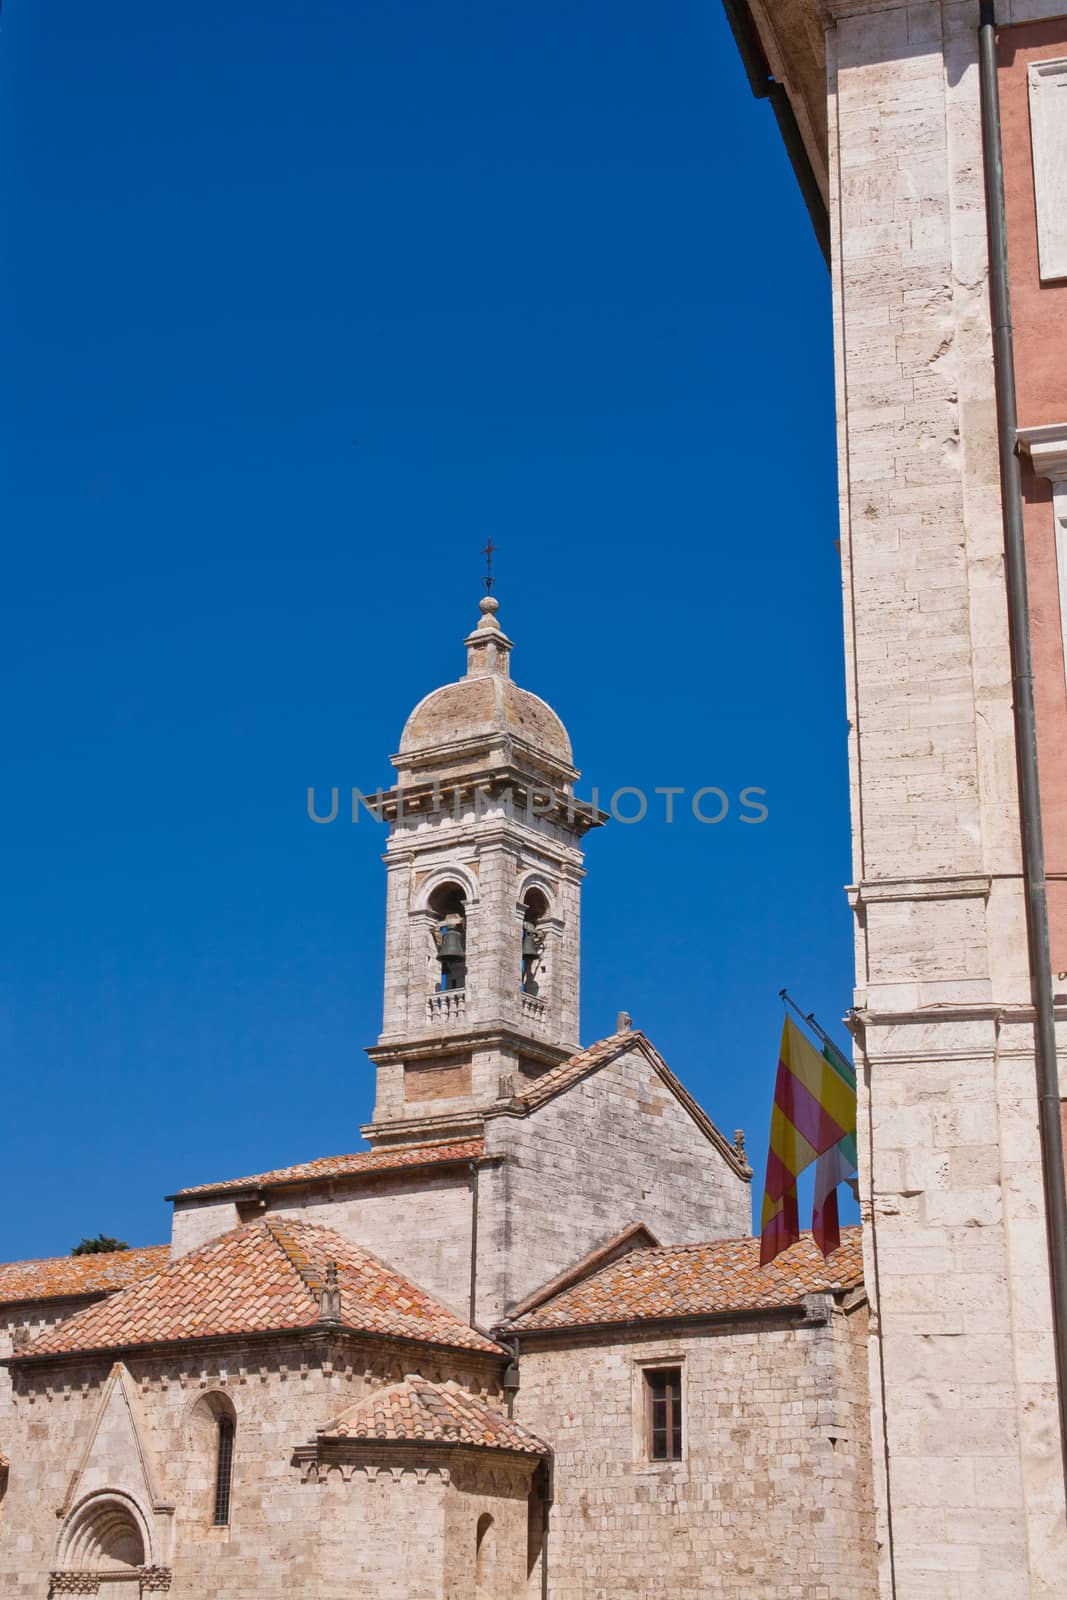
(106, 1538)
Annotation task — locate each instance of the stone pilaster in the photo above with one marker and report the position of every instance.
(970, 1491)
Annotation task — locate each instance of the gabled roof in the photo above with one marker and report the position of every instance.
(349, 1166)
(442, 1413)
(598, 1055)
(72, 1277)
(265, 1277)
(697, 1280)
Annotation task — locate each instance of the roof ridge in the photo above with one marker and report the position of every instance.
(41, 1261)
(262, 1278)
(345, 1263)
(428, 1409)
(592, 1058)
(297, 1257)
(716, 1277)
(351, 1164)
(730, 1238)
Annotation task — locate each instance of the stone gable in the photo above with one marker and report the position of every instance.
(615, 1146)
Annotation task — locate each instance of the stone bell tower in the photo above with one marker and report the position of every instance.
(484, 867)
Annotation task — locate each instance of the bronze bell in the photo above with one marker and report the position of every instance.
(451, 943)
(531, 945)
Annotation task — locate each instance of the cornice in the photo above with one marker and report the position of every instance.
(1047, 448)
(833, 11)
(494, 1032)
(320, 1341)
(942, 886)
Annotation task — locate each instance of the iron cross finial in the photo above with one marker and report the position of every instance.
(488, 553)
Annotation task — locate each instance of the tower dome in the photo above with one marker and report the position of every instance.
(485, 714)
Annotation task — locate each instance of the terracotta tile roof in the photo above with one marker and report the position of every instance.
(360, 1161)
(598, 1055)
(69, 1277)
(635, 1237)
(577, 1066)
(442, 1412)
(264, 1277)
(698, 1280)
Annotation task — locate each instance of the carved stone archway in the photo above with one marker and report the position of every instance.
(105, 1548)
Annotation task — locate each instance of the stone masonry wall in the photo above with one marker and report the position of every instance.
(421, 1226)
(773, 1498)
(380, 1529)
(614, 1149)
(31, 1317)
(954, 1240)
(494, 851)
(197, 1222)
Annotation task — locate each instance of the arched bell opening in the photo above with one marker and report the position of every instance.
(534, 912)
(448, 906)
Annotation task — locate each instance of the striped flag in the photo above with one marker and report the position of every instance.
(834, 1166)
(814, 1110)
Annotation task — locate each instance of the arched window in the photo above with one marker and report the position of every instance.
(448, 906)
(223, 1470)
(212, 1431)
(484, 1552)
(534, 910)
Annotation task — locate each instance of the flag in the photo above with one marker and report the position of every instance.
(814, 1110)
(834, 1166)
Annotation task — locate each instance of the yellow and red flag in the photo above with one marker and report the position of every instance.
(834, 1166)
(814, 1110)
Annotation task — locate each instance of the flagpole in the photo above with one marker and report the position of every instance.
(809, 1018)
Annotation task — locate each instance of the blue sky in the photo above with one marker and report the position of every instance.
(303, 304)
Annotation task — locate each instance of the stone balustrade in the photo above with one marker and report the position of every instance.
(448, 1005)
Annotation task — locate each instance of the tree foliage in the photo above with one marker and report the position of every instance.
(102, 1245)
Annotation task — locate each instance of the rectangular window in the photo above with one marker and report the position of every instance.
(664, 1390)
(1048, 135)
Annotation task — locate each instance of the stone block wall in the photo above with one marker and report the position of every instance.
(400, 1523)
(27, 1319)
(197, 1222)
(419, 1225)
(773, 1497)
(614, 1149)
(494, 851)
(950, 1164)
(422, 1227)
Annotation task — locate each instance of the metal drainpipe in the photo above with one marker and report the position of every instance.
(1033, 848)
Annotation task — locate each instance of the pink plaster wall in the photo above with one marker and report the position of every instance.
(1039, 313)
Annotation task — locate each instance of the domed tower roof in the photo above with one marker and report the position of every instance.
(484, 715)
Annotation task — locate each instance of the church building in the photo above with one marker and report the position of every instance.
(519, 1347)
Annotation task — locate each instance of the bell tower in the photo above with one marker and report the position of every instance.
(484, 870)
